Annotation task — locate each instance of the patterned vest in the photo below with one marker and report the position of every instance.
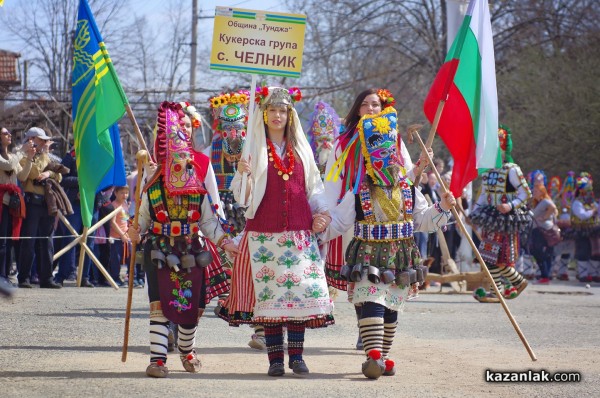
(284, 206)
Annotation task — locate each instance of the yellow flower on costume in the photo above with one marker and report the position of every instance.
(216, 102)
(381, 125)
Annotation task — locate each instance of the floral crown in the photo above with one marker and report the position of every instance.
(240, 97)
(278, 96)
(191, 111)
(386, 97)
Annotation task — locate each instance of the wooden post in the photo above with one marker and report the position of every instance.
(89, 252)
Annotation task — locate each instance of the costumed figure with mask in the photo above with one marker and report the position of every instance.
(585, 224)
(278, 277)
(383, 210)
(182, 225)
(322, 133)
(565, 250)
(370, 101)
(502, 214)
(230, 124)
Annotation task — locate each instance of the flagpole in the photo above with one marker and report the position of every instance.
(460, 224)
(141, 157)
(136, 128)
(249, 131)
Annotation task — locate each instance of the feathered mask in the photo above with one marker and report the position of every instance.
(373, 150)
(324, 129)
(172, 151)
(230, 113)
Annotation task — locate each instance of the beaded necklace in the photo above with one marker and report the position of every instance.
(283, 171)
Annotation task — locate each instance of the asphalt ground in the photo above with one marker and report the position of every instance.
(67, 343)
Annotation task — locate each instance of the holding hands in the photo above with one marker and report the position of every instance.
(321, 221)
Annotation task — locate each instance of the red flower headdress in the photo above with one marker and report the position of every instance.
(279, 95)
(386, 97)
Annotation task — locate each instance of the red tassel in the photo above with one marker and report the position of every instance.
(190, 357)
(160, 362)
(375, 355)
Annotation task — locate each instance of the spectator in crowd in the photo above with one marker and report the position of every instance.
(120, 243)
(38, 225)
(12, 206)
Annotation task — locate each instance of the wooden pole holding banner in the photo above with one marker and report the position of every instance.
(136, 128)
(460, 224)
(141, 158)
(248, 135)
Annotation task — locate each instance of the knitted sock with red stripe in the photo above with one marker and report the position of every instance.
(295, 341)
(274, 341)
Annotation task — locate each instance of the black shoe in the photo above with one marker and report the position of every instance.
(277, 369)
(299, 368)
(35, 280)
(86, 283)
(25, 285)
(50, 285)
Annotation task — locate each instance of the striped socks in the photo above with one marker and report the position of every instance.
(371, 332)
(186, 339)
(274, 341)
(295, 341)
(389, 331)
(159, 331)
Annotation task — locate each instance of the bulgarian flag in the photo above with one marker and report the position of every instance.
(463, 96)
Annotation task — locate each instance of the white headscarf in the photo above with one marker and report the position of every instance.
(256, 147)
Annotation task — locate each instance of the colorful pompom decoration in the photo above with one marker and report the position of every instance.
(190, 357)
(480, 292)
(389, 365)
(375, 355)
(510, 292)
(160, 362)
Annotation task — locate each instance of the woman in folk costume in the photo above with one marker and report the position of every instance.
(385, 209)
(278, 278)
(502, 214)
(368, 102)
(179, 221)
(585, 223)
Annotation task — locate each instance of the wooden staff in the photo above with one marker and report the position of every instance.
(460, 224)
(141, 157)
